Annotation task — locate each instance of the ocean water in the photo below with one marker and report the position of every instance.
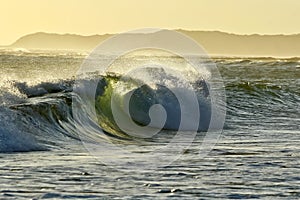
(42, 156)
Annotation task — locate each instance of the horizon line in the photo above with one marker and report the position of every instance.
(179, 30)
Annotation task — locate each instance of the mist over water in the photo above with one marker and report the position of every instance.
(257, 155)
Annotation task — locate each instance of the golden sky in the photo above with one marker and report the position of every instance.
(87, 17)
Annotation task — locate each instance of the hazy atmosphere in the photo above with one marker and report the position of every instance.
(203, 106)
(18, 18)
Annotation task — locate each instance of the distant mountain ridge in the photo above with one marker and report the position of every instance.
(214, 42)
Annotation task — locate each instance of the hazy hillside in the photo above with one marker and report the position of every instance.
(267, 45)
(58, 41)
(214, 42)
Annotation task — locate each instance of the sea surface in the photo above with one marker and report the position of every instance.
(257, 156)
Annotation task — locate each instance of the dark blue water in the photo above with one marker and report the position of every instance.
(256, 157)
